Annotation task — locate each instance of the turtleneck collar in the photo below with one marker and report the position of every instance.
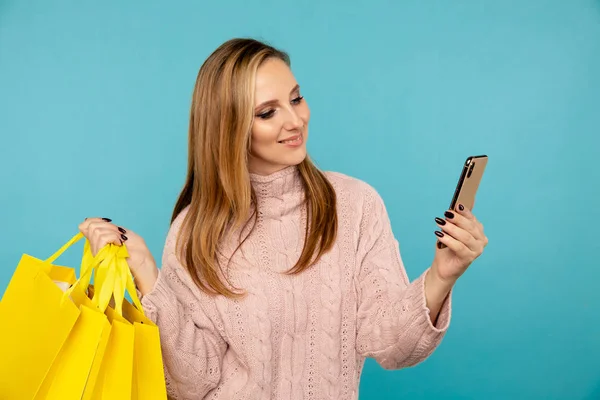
(280, 183)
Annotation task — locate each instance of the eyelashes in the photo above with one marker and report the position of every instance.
(266, 115)
(297, 100)
(269, 113)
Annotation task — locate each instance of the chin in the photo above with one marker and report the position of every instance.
(297, 159)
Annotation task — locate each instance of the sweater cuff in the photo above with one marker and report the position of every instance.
(159, 295)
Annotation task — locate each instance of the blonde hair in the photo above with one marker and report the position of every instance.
(218, 188)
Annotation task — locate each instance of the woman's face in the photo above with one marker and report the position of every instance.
(281, 115)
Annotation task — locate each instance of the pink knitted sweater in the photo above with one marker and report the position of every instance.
(294, 336)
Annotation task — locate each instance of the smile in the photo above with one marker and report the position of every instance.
(293, 141)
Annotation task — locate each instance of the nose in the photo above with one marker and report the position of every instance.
(292, 120)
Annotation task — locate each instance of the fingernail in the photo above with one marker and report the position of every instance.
(440, 221)
(122, 230)
(439, 245)
(461, 207)
(449, 215)
(439, 234)
(107, 219)
(123, 237)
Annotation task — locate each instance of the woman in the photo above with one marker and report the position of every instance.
(277, 279)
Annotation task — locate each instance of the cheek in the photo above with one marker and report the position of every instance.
(264, 133)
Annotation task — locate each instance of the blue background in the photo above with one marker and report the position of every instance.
(94, 103)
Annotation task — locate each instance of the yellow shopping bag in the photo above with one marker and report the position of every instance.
(49, 338)
(77, 363)
(79, 343)
(148, 369)
(115, 378)
(132, 366)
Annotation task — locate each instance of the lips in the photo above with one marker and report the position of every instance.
(291, 140)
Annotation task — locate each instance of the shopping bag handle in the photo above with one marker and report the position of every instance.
(88, 261)
(113, 276)
(64, 248)
(125, 284)
(88, 265)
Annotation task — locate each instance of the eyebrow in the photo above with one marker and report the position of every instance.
(274, 102)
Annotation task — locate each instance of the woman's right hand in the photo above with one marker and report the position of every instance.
(101, 232)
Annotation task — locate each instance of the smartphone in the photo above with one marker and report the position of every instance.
(468, 183)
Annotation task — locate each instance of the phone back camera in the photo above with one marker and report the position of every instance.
(470, 170)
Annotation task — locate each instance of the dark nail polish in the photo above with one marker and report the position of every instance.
(461, 207)
(122, 230)
(439, 234)
(123, 237)
(439, 245)
(107, 219)
(440, 221)
(449, 215)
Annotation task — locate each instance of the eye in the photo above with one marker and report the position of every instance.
(297, 100)
(266, 114)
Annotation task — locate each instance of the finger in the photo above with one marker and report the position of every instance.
(464, 211)
(477, 228)
(468, 224)
(95, 224)
(454, 245)
(103, 236)
(85, 225)
(100, 226)
(100, 233)
(458, 233)
(104, 240)
(482, 235)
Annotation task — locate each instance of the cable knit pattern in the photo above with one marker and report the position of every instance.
(300, 336)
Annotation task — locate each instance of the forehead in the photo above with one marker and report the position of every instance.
(273, 79)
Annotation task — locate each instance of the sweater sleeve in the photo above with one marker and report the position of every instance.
(394, 325)
(192, 347)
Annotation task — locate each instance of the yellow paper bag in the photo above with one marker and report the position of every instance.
(114, 381)
(77, 343)
(37, 320)
(148, 369)
(132, 365)
(74, 367)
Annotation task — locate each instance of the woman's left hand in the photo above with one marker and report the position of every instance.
(464, 239)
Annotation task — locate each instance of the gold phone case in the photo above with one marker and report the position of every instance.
(468, 183)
